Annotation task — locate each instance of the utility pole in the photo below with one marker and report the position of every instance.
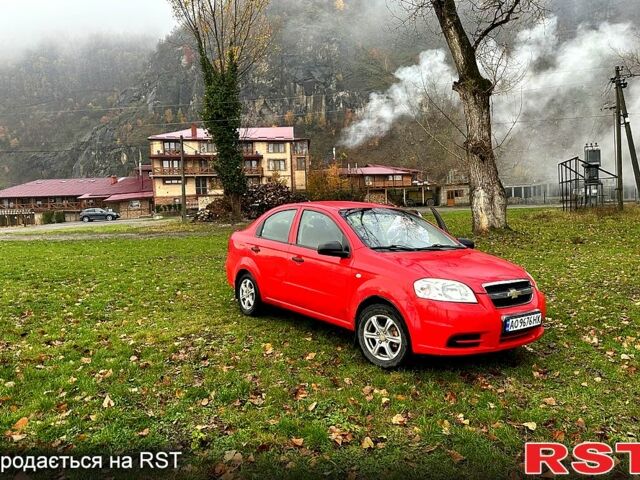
(618, 84)
(632, 147)
(182, 181)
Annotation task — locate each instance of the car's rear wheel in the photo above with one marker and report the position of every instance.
(383, 336)
(85, 219)
(248, 295)
(109, 218)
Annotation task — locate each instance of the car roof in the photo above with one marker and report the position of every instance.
(339, 204)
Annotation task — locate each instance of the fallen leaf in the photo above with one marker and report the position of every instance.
(204, 402)
(298, 442)
(21, 424)
(310, 356)
(85, 360)
(455, 456)
(107, 403)
(232, 456)
(451, 397)
(446, 427)
(17, 437)
(312, 406)
(399, 419)
(550, 401)
(348, 381)
(143, 433)
(531, 425)
(268, 348)
(367, 443)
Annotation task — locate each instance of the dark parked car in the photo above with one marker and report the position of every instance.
(91, 214)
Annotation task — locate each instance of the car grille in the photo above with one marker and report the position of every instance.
(510, 293)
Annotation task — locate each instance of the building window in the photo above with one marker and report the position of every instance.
(277, 165)
(247, 148)
(395, 178)
(301, 148)
(171, 164)
(208, 147)
(201, 185)
(171, 181)
(134, 205)
(301, 163)
(276, 148)
(253, 180)
(171, 147)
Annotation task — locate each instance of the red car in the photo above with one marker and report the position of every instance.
(402, 284)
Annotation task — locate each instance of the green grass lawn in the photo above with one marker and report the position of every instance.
(122, 344)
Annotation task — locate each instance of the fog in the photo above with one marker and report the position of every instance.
(28, 23)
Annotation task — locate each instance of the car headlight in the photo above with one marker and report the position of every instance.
(444, 290)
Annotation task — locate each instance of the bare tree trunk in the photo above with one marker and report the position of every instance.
(488, 198)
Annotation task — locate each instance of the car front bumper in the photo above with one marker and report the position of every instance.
(444, 328)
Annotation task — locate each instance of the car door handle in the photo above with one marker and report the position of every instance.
(297, 259)
(255, 249)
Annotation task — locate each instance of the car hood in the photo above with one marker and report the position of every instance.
(468, 266)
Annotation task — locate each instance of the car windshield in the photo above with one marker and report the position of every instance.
(388, 229)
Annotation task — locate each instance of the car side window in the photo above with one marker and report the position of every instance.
(316, 229)
(277, 226)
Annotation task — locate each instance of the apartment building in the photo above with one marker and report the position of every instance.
(269, 154)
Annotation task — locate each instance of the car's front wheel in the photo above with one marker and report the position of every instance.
(85, 219)
(383, 336)
(109, 218)
(248, 295)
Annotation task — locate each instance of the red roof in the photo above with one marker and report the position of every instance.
(255, 134)
(377, 170)
(129, 196)
(79, 187)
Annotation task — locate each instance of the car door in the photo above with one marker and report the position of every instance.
(319, 284)
(269, 251)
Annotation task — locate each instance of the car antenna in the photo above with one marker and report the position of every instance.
(441, 224)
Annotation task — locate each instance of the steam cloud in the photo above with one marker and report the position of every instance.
(401, 99)
(556, 106)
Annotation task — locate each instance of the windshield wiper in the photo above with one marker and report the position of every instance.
(440, 246)
(394, 248)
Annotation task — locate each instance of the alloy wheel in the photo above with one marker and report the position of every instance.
(247, 294)
(382, 337)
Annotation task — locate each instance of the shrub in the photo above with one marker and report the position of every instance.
(48, 217)
(58, 217)
(329, 185)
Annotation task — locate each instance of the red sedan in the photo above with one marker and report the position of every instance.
(402, 284)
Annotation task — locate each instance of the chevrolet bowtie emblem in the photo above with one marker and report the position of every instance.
(513, 293)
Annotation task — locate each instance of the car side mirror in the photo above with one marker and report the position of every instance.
(333, 249)
(467, 242)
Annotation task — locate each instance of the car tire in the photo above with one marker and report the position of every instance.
(382, 336)
(85, 219)
(248, 295)
(109, 218)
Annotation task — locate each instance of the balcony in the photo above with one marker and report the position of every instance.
(253, 171)
(197, 171)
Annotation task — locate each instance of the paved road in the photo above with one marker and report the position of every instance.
(34, 229)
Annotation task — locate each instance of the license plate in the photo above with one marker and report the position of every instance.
(522, 322)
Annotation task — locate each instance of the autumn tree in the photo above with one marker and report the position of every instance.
(230, 35)
(466, 26)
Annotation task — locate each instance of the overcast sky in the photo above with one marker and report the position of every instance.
(24, 23)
